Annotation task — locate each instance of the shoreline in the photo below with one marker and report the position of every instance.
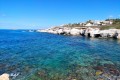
(84, 31)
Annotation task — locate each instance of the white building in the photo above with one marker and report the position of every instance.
(107, 22)
(89, 24)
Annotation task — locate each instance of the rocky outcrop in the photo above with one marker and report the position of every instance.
(88, 32)
(118, 36)
(75, 31)
(4, 76)
(92, 32)
(110, 33)
(63, 30)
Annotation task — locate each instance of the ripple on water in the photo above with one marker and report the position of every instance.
(43, 56)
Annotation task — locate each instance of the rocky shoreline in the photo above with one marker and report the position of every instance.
(84, 31)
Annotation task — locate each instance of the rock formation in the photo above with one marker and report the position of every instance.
(88, 32)
(4, 76)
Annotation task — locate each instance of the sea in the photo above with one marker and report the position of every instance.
(28, 55)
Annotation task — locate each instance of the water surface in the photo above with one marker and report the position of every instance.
(47, 56)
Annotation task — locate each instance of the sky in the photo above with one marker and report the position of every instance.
(40, 14)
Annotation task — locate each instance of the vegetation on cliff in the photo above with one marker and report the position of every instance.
(116, 24)
(101, 24)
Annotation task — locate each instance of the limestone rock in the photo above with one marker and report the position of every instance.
(75, 31)
(4, 76)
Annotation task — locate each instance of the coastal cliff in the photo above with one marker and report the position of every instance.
(84, 31)
(109, 28)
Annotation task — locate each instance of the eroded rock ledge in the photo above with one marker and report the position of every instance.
(84, 31)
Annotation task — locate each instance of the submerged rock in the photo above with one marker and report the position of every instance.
(107, 72)
(98, 73)
(14, 75)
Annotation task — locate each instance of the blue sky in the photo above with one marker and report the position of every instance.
(37, 14)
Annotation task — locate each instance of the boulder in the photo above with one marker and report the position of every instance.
(4, 76)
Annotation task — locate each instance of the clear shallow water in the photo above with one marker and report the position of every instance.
(48, 56)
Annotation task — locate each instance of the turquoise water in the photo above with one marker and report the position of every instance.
(46, 56)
